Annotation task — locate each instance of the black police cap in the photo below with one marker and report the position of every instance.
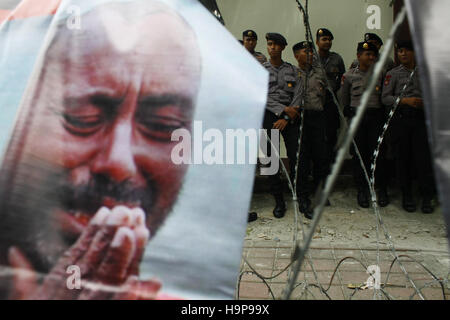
(250, 34)
(302, 45)
(277, 38)
(373, 37)
(367, 46)
(322, 32)
(405, 44)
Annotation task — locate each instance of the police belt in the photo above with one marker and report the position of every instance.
(351, 111)
(410, 112)
(310, 112)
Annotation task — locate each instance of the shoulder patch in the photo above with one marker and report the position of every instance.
(387, 80)
(343, 79)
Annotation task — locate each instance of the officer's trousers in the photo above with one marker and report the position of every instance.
(366, 139)
(332, 127)
(313, 150)
(412, 150)
(290, 135)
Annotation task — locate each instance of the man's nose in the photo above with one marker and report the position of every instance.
(115, 158)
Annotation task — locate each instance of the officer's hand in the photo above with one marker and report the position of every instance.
(412, 102)
(418, 102)
(406, 101)
(108, 253)
(292, 112)
(280, 124)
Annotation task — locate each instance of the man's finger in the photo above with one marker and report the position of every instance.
(142, 235)
(129, 291)
(148, 289)
(25, 278)
(87, 253)
(135, 289)
(71, 256)
(113, 269)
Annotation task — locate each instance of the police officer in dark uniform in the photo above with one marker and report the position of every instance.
(310, 95)
(376, 40)
(354, 83)
(409, 130)
(249, 40)
(335, 68)
(280, 114)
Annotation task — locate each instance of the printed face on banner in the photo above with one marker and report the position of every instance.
(96, 133)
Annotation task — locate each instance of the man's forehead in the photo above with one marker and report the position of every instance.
(110, 26)
(111, 51)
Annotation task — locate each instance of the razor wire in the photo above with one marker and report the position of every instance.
(383, 285)
(341, 153)
(371, 182)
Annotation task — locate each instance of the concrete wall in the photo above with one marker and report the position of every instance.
(347, 19)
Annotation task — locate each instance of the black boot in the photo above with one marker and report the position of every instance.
(363, 198)
(280, 206)
(427, 207)
(408, 202)
(304, 205)
(252, 216)
(383, 198)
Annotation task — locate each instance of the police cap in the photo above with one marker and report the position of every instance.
(367, 46)
(302, 45)
(250, 34)
(277, 38)
(322, 32)
(372, 37)
(406, 44)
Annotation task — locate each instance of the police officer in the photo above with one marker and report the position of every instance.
(310, 95)
(409, 131)
(376, 40)
(335, 68)
(354, 83)
(280, 114)
(249, 40)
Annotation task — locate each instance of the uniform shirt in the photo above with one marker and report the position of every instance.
(260, 57)
(395, 81)
(314, 96)
(335, 68)
(389, 65)
(282, 83)
(354, 83)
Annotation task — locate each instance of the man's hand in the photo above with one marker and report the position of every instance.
(412, 102)
(280, 124)
(108, 253)
(292, 112)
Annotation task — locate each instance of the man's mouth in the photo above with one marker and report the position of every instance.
(73, 222)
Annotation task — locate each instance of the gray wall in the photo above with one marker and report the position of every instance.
(345, 18)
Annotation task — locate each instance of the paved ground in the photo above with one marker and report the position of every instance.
(344, 231)
(270, 259)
